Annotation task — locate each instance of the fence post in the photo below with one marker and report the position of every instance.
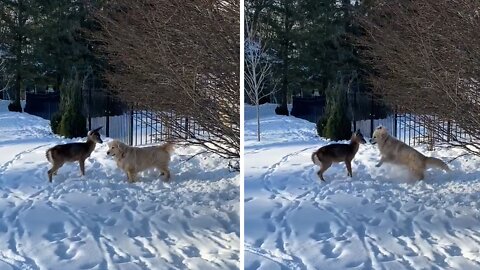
(107, 124)
(130, 139)
(395, 122)
(353, 110)
(141, 127)
(89, 108)
(448, 131)
(371, 115)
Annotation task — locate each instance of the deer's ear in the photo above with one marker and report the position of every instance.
(94, 130)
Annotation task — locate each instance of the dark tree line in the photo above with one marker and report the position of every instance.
(171, 57)
(42, 41)
(312, 47)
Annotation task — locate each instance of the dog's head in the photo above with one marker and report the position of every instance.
(94, 135)
(116, 149)
(357, 136)
(379, 135)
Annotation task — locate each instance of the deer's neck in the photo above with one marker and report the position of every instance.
(354, 145)
(91, 146)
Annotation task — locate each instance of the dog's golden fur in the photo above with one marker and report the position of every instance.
(133, 160)
(397, 152)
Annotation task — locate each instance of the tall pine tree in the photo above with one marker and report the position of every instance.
(17, 31)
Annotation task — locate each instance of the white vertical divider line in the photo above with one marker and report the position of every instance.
(242, 131)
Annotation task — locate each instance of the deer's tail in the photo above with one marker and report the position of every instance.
(315, 158)
(49, 155)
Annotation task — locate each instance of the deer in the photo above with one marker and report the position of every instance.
(71, 152)
(338, 152)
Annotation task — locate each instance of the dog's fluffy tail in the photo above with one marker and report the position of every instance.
(49, 155)
(437, 163)
(315, 158)
(169, 147)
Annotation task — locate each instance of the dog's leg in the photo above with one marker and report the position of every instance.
(323, 168)
(82, 166)
(128, 175)
(419, 174)
(160, 169)
(418, 171)
(167, 175)
(348, 163)
(164, 171)
(131, 175)
(417, 168)
(382, 159)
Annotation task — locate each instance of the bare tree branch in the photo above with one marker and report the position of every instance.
(172, 56)
(425, 57)
(257, 69)
(4, 78)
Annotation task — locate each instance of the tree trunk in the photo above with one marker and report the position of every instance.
(283, 109)
(18, 89)
(16, 105)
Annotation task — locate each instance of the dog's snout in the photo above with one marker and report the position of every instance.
(108, 152)
(372, 141)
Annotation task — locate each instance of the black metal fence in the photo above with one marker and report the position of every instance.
(308, 108)
(367, 113)
(130, 125)
(140, 127)
(43, 105)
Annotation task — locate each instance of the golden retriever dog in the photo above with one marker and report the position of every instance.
(133, 160)
(397, 152)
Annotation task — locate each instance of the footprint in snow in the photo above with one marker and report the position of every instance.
(55, 232)
(128, 214)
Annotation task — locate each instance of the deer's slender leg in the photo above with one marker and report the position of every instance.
(53, 170)
(323, 168)
(349, 167)
(82, 166)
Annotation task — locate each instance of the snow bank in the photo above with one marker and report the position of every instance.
(376, 220)
(100, 221)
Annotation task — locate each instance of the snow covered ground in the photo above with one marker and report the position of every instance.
(375, 220)
(100, 221)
